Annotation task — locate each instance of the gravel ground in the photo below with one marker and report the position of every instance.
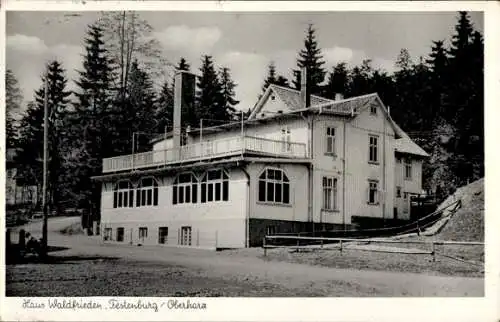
(88, 268)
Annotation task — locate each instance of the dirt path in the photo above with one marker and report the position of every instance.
(247, 267)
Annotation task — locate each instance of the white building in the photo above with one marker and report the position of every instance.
(290, 167)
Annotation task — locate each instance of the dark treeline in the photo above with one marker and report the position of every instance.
(438, 100)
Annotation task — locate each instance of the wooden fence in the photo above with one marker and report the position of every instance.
(314, 243)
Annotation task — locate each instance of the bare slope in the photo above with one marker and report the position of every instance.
(467, 224)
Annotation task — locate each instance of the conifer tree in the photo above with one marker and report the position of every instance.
(31, 141)
(311, 58)
(165, 108)
(338, 81)
(183, 65)
(209, 99)
(13, 99)
(228, 94)
(92, 122)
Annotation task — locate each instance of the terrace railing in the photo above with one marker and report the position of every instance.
(205, 150)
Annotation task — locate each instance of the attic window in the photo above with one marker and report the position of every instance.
(373, 109)
(273, 97)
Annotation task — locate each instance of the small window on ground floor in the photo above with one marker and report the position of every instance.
(120, 233)
(108, 234)
(162, 235)
(373, 192)
(143, 233)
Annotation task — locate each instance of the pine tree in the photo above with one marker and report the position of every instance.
(271, 76)
(209, 99)
(92, 122)
(31, 143)
(338, 81)
(360, 79)
(227, 93)
(464, 100)
(165, 108)
(311, 58)
(13, 98)
(183, 65)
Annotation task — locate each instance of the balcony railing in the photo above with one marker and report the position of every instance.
(205, 150)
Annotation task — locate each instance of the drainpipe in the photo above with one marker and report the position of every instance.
(383, 175)
(247, 215)
(344, 155)
(311, 174)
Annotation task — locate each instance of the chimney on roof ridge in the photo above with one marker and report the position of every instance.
(339, 96)
(305, 95)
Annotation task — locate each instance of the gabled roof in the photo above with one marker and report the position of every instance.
(406, 145)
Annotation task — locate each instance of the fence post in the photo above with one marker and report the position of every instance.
(216, 239)
(322, 243)
(341, 247)
(197, 237)
(264, 246)
(433, 251)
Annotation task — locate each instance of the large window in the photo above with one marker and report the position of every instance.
(215, 186)
(330, 193)
(407, 169)
(330, 140)
(185, 189)
(123, 195)
(147, 193)
(373, 192)
(274, 187)
(373, 148)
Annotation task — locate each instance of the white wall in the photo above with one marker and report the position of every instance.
(226, 219)
(297, 210)
(359, 170)
(163, 144)
(410, 186)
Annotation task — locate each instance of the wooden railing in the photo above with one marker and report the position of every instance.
(204, 150)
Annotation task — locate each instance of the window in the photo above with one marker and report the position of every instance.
(186, 236)
(162, 235)
(330, 140)
(408, 169)
(123, 196)
(373, 147)
(274, 187)
(398, 192)
(270, 230)
(185, 189)
(405, 196)
(147, 193)
(398, 160)
(373, 109)
(108, 234)
(329, 193)
(373, 192)
(286, 138)
(143, 233)
(120, 232)
(215, 186)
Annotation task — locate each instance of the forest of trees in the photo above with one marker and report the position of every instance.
(438, 100)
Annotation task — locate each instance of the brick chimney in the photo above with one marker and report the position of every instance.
(305, 95)
(184, 93)
(339, 96)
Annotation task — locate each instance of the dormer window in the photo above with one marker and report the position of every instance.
(373, 109)
(273, 97)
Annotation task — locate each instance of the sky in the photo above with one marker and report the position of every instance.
(243, 41)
